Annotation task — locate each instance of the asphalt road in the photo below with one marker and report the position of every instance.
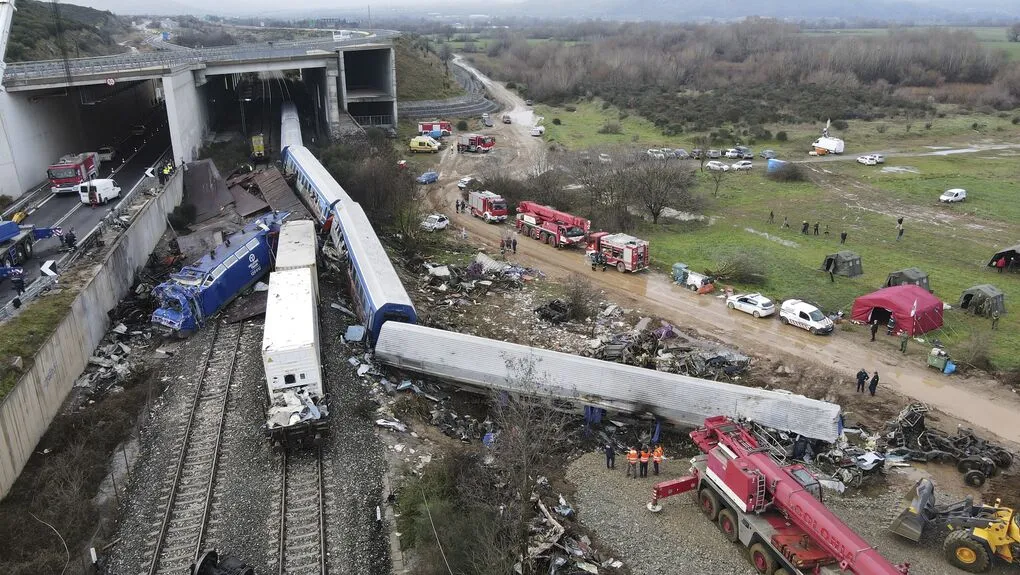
(67, 212)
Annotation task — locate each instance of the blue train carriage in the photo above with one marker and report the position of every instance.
(191, 296)
(290, 127)
(378, 293)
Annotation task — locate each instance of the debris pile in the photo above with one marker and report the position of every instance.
(294, 406)
(483, 274)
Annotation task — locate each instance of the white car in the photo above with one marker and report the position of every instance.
(879, 158)
(465, 182)
(752, 303)
(605, 159)
(867, 160)
(742, 165)
(435, 222)
(717, 166)
(106, 154)
(656, 154)
(732, 153)
(953, 195)
(805, 316)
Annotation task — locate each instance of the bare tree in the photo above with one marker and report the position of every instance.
(663, 184)
(702, 142)
(717, 177)
(1013, 33)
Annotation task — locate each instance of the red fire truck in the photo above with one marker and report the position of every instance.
(627, 253)
(69, 171)
(442, 126)
(476, 143)
(550, 225)
(488, 206)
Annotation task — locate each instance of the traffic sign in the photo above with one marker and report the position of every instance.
(110, 81)
(47, 268)
(149, 174)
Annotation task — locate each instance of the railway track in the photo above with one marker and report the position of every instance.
(302, 515)
(187, 509)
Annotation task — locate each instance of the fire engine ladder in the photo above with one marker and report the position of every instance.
(760, 493)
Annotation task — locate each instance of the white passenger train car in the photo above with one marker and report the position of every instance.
(298, 411)
(297, 249)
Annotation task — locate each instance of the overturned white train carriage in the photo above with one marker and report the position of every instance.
(298, 409)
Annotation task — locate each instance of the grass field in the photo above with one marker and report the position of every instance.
(580, 129)
(422, 77)
(953, 254)
(22, 336)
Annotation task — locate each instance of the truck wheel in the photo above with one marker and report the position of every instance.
(965, 552)
(554, 241)
(974, 478)
(536, 234)
(620, 267)
(755, 314)
(728, 525)
(709, 503)
(5, 262)
(762, 559)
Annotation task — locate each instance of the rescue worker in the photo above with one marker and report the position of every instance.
(772, 217)
(656, 458)
(874, 329)
(594, 260)
(995, 319)
(18, 281)
(456, 205)
(70, 239)
(874, 384)
(842, 237)
(502, 247)
(804, 227)
(816, 227)
(513, 243)
(904, 338)
(644, 461)
(632, 460)
(603, 260)
(890, 325)
(862, 378)
(610, 457)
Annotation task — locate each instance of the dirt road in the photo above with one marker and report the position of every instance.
(986, 404)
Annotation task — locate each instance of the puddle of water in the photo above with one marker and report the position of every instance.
(772, 238)
(900, 170)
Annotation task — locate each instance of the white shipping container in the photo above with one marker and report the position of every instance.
(296, 249)
(290, 343)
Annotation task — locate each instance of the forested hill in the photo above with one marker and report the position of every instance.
(87, 32)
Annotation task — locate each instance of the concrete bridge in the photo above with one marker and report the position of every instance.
(50, 108)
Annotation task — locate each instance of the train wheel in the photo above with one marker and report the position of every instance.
(762, 559)
(965, 552)
(709, 502)
(974, 478)
(728, 524)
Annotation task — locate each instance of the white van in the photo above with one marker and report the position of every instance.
(805, 316)
(98, 191)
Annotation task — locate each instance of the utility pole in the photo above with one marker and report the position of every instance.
(369, 16)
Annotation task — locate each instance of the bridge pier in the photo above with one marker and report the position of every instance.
(333, 98)
(187, 113)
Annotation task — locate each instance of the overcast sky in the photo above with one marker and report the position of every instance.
(267, 7)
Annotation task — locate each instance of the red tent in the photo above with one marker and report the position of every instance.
(913, 307)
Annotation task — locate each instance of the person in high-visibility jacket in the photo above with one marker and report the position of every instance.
(644, 461)
(657, 458)
(632, 461)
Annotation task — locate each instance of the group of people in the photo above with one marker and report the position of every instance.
(806, 227)
(597, 259)
(460, 205)
(890, 329)
(508, 243)
(166, 171)
(862, 379)
(637, 461)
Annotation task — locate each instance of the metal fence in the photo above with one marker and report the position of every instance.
(374, 120)
(44, 69)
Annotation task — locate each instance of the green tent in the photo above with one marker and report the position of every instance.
(844, 263)
(982, 300)
(912, 276)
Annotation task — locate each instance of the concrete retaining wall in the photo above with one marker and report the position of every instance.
(34, 132)
(28, 409)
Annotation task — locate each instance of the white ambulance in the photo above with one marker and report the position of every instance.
(805, 316)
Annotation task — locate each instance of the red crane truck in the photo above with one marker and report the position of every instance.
(773, 509)
(73, 169)
(550, 225)
(476, 143)
(627, 253)
(488, 206)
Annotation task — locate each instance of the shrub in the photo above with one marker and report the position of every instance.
(556, 121)
(788, 173)
(881, 128)
(973, 352)
(462, 125)
(183, 216)
(1016, 120)
(511, 85)
(611, 128)
(622, 116)
(605, 105)
(6, 200)
(781, 136)
(571, 108)
(741, 267)
(840, 124)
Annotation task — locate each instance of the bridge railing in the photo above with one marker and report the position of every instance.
(379, 120)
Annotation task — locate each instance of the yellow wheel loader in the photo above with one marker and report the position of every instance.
(979, 533)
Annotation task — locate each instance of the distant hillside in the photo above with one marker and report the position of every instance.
(87, 32)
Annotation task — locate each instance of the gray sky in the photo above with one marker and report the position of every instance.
(269, 7)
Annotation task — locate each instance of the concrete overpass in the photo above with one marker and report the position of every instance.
(356, 76)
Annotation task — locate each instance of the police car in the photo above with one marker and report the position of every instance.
(805, 316)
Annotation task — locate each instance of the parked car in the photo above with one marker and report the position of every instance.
(714, 154)
(538, 130)
(745, 153)
(487, 122)
(953, 195)
(866, 160)
(717, 166)
(681, 154)
(805, 316)
(605, 159)
(656, 153)
(465, 182)
(668, 152)
(732, 153)
(742, 165)
(696, 153)
(429, 177)
(506, 118)
(527, 102)
(106, 153)
(767, 154)
(752, 303)
(435, 222)
(879, 158)
(138, 130)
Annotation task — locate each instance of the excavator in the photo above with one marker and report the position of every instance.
(978, 533)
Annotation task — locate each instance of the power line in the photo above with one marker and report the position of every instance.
(434, 532)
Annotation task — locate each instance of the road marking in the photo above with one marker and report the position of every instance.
(32, 211)
(57, 223)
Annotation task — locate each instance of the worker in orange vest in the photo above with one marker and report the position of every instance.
(644, 461)
(632, 459)
(657, 458)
